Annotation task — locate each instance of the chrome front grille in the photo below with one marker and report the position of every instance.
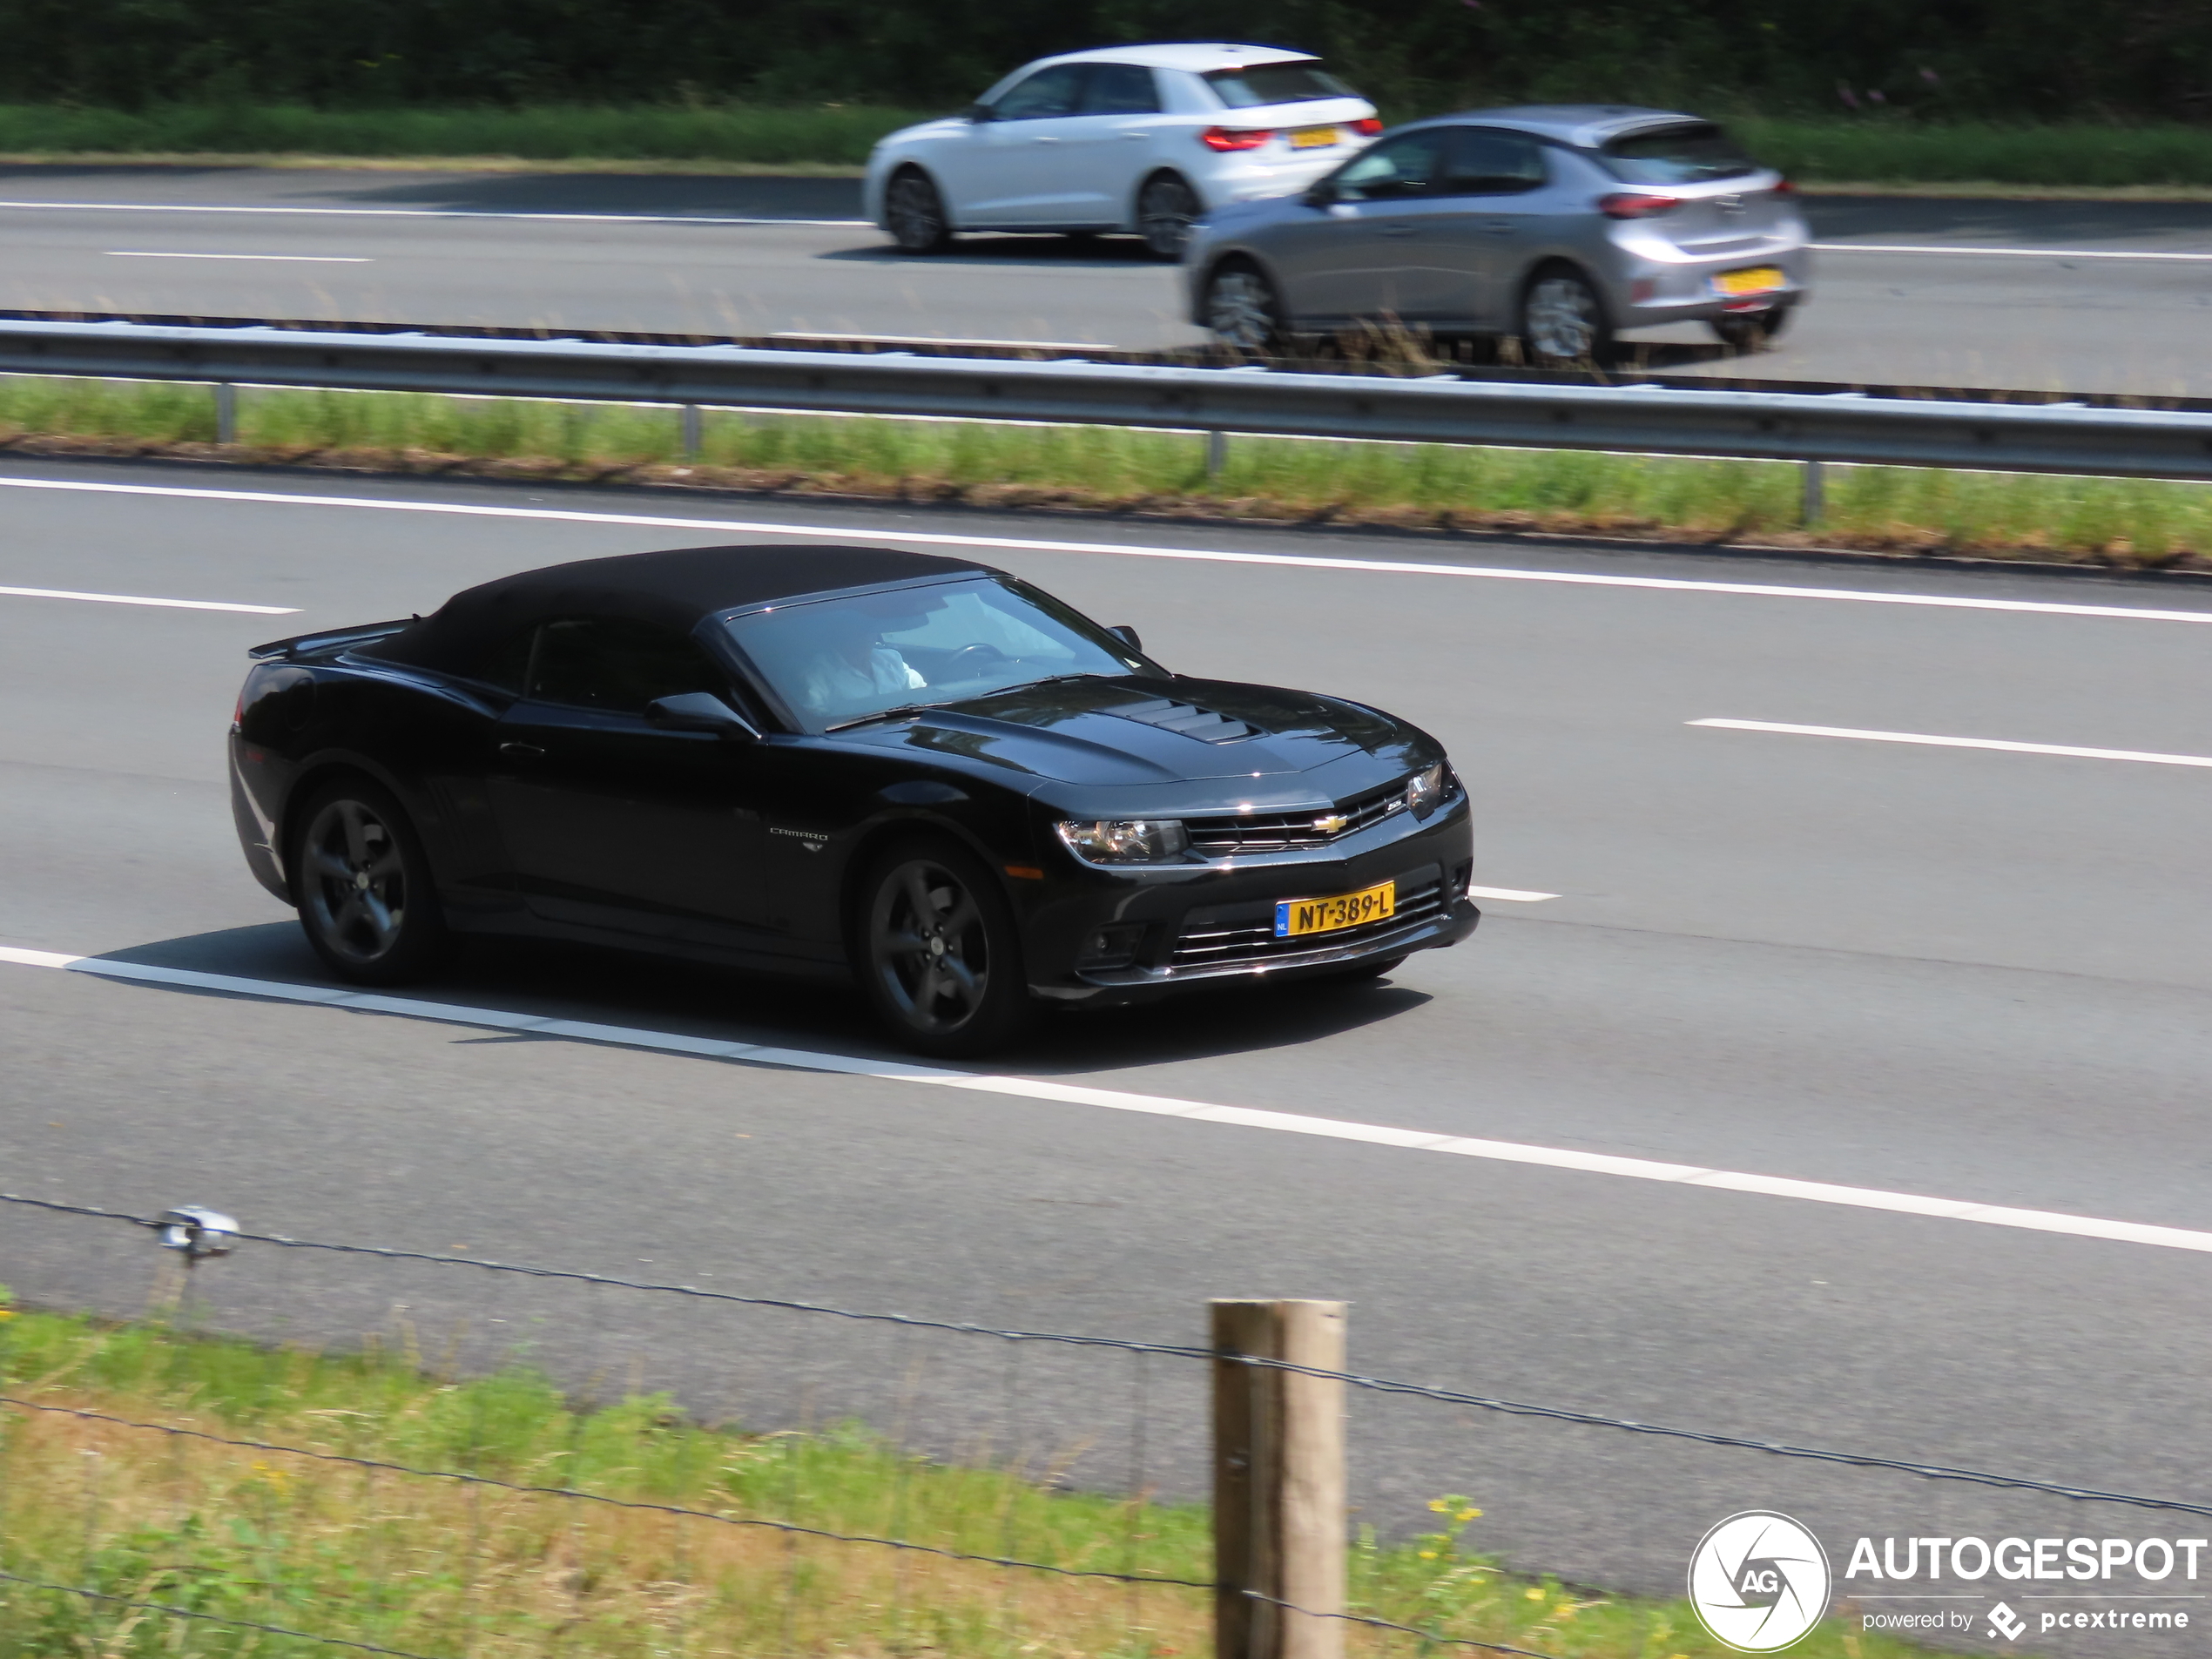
(1247, 936)
(1225, 838)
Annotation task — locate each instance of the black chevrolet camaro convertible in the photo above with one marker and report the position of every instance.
(916, 773)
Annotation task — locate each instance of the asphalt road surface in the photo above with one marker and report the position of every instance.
(1979, 975)
(2088, 297)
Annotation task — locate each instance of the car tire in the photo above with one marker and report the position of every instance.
(1750, 331)
(362, 885)
(936, 950)
(914, 211)
(1243, 310)
(1562, 321)
(1166, 208)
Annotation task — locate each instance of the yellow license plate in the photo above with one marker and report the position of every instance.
(1295, 918)
(1312, 137)
(1761, 279)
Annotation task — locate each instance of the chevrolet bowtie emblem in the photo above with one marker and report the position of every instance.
(1331, 823)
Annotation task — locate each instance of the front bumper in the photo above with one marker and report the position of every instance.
(1174, 926)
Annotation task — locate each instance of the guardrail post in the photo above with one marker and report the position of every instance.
(226, 411)
(693, 425)
(1809, 515)
(1278, 1493)
(1217, 453)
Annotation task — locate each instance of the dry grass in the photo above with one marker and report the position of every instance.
(246, 1534)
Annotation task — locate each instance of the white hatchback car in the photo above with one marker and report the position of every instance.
(1142, 139)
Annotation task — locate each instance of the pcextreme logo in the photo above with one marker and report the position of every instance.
(1759, 1582)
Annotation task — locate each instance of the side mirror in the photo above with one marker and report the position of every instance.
(1320, 193)
(699, 711)
(980, 113)
(1127, 635)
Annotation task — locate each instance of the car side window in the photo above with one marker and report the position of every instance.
(508, 664)
(1120, 89)
(1483, 161)
(1406, 165)
(613, 664)
(1054, 90)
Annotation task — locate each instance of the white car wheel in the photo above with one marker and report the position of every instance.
(914, 213)
(1166, 208)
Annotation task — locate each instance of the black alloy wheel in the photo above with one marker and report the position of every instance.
(1750, 331)
(363, 888)
(938, 952)
(1242, 310)
(1563, 322)
(914, 213)
(1166, 209)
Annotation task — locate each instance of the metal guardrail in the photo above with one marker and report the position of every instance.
(1772, 426)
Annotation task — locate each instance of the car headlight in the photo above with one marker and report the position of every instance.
(1126, 841)
(1425, 789)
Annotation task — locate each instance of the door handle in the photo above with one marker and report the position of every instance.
(1044, 137)
(520, 751)
(1500, 226)
(1400, 230)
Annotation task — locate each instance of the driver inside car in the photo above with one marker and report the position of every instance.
(851, 670)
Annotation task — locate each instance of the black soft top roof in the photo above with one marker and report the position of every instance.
(676, 589)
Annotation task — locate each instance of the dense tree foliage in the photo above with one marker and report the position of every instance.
(2005, 58)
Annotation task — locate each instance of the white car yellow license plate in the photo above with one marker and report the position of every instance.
(1312, 137)
(1760, 279)
(1295, 918)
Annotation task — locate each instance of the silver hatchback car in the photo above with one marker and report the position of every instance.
(1558, 225)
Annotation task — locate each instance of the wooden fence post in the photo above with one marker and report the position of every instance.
(1278, 1502)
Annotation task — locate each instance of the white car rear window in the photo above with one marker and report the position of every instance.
(1297, 81)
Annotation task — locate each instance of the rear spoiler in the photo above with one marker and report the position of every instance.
(336, 639)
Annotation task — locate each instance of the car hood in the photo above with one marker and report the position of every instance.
(1097, 731)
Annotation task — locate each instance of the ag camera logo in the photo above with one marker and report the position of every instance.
(1759, 1582)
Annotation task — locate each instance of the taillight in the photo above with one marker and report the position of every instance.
(238, 714)
(1784, 187)
(1628, 204)
(1366, 126)
(1235, 137)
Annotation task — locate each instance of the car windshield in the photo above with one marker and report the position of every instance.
(1296, 82)
(1684, 155)
(834, 661)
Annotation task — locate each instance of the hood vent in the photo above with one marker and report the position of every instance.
(1185, 719)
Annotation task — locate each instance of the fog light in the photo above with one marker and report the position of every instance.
(1111, 946)
(1641, 291)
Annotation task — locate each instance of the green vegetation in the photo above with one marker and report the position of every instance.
(2128, 523)
(1815, 150)
(440, 1567)
(754, 134)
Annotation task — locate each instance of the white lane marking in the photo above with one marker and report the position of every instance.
(1957, 743)
(1412, 1140)
(1031, 544)
(2004, 253)
(286, 258)
(139, 599)
(1513, 894)
(945, 339)
(420, 213)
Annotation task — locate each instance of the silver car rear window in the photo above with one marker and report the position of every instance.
(1292, 83)
(1682, 155)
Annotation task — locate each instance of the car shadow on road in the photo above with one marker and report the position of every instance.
(660, 996)
(1015, 250)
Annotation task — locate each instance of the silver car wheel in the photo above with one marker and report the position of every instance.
(354, 884)
(1561, 320)
(1166, 208)
(1240, 309)
(915, 215)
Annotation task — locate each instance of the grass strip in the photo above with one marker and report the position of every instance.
(1870, 150)
(2128, 524)
(424, 1565)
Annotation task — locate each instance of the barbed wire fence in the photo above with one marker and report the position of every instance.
(1023, 1407)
